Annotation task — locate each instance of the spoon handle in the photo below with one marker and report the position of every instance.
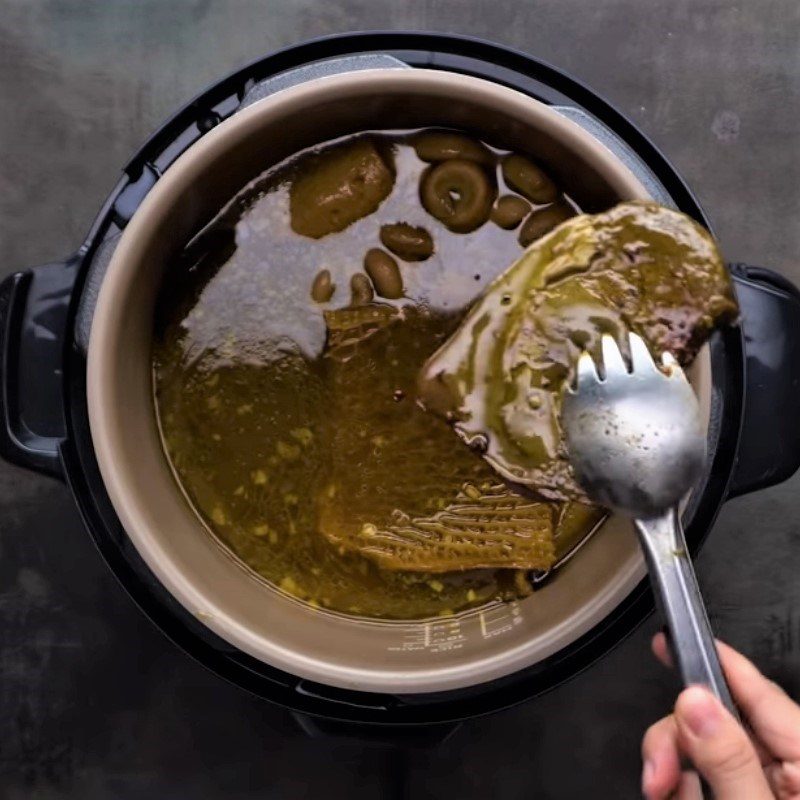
(678, 598)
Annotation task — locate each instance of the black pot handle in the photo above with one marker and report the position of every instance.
(33, 318)
(769, 445)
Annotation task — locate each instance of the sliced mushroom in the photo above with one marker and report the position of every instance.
(361, 292)
(509, 211)
(407, 241)
(523, 176)
(458, 193)
(384, 272)
(323, 287)
(435, 146)
(543, 220)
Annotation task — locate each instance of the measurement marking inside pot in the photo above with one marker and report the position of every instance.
(503, 621)
(435, 637)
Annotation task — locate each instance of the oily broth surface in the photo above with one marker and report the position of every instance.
(244, 392)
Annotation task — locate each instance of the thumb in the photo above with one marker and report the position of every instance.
(718, 747)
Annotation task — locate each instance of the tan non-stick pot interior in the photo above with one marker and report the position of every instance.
(409, 657)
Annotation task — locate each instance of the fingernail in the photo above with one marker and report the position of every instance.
(700, 711)
(648, 771)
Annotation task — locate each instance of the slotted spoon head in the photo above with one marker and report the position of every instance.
(634, 435)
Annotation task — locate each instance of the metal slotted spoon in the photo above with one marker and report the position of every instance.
(636, 444)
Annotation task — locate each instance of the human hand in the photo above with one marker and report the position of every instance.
(736, 766)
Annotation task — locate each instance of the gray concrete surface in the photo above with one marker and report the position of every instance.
(94, 702)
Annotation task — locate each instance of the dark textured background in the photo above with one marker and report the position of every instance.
(94, 702)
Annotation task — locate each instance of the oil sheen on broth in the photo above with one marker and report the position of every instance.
(289, 337)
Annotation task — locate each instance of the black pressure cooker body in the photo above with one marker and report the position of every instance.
(45, 316)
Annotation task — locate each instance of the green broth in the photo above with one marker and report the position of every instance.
(267, 431)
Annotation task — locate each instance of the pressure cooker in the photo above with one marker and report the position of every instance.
(76, 398)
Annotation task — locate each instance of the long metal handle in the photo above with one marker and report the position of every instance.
(680, 603)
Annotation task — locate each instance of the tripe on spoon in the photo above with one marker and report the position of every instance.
(499, 379)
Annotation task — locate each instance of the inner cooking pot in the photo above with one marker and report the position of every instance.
(397, 657)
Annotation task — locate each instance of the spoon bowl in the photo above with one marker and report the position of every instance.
(635, 434)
